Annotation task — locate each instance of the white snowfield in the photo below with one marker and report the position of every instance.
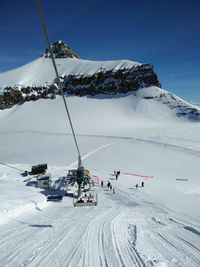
(158, 225)
(40, 72)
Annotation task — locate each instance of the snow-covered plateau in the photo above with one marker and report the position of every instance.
(154, 225)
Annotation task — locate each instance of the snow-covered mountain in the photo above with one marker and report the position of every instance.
(138, 132)
(37, 79)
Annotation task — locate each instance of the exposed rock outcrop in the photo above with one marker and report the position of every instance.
(103, 82)
(110, 83)
(60, 50)
(181, 108)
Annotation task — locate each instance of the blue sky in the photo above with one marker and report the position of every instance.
(165, 33)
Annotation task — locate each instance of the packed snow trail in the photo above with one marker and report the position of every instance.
(52, 238)
(177, 239)
(133, 227)
(119, 232)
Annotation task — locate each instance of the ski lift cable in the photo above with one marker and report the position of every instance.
(60, 86)
(4, 164)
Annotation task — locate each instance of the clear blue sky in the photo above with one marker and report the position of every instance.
(165, 33)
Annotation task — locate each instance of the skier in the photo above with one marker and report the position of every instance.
(110, 187)
(142, 185)
(101, 183)
(117, 174)
(108, 184)
(136, 186)
(113, 190)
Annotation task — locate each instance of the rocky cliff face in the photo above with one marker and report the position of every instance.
(103, 81)
(60, 50)
(111, 82)
(12, 96)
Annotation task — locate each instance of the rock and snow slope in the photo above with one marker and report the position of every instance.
(80, 77)
(36, 80)
(40, 72)
(158, 225)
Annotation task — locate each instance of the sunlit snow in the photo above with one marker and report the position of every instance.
(157, 225)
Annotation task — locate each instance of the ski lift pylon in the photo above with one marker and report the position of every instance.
(80, 178)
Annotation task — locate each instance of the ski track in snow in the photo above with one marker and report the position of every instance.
(84, 241)
(97, 236)
(179, 148)
(73, 164)
(179, 247)
(182, 149)
(106, 235)
(181, 139)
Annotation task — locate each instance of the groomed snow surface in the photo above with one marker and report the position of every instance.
(158, 225)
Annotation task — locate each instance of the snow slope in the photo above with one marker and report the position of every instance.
(45, 122)
(40, 72)
(158, 225)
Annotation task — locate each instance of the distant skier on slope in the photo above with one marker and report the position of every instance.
(108, 184)
(117, 175)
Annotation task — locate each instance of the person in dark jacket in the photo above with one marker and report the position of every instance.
(80, 200)
(108, 184)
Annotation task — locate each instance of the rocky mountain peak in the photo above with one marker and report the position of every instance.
(61, 50)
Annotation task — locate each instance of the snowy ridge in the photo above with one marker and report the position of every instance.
(123, 112)
(40, 72)
(181, 107)
(157, 225)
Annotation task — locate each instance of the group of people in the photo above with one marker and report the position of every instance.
(89, 199)
(142, 185)
(110, 187)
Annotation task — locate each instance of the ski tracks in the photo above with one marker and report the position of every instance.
(178, 246)
(176, 243)
(125, 242)
(94, 242)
